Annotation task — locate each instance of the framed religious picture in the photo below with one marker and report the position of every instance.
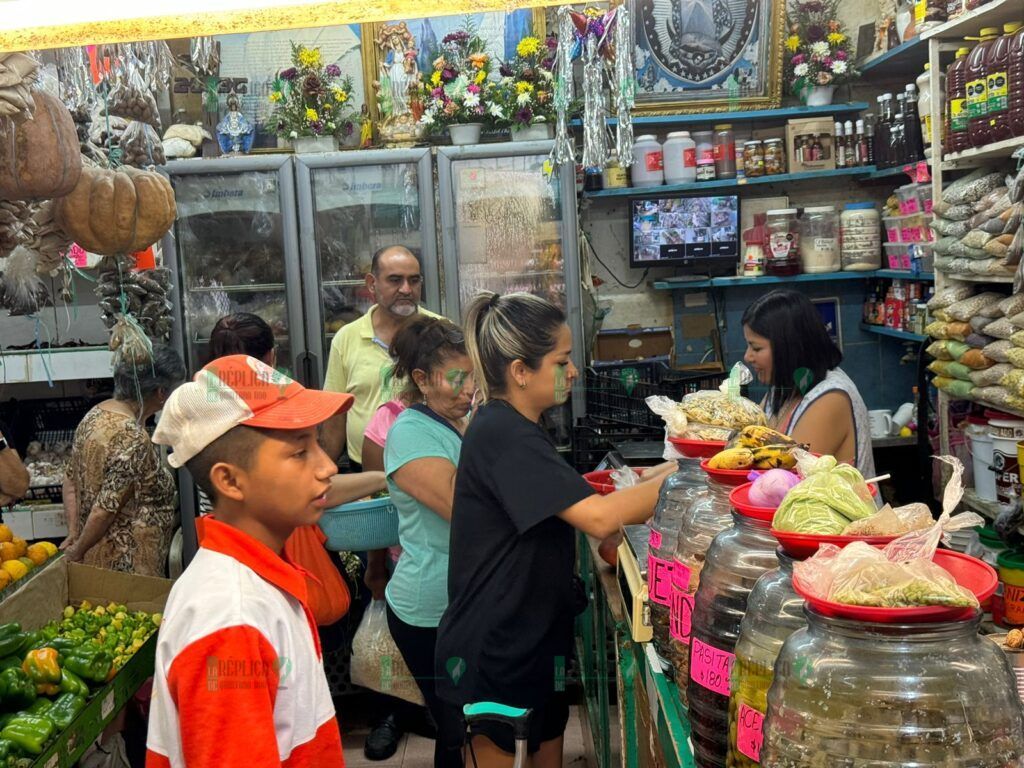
(708, 55)
(395, 53)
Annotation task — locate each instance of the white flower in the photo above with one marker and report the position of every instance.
(472, 100)
(523, 98)
(294, 134)
(800, 70)
(839, 67)
(546, 74)
(506, 81)
(428, 117)
(820, 48)
(496, 111)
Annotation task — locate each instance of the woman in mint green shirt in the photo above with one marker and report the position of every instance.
(421, 453)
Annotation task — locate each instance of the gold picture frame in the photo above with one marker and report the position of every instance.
(371, 53)
(686, 99)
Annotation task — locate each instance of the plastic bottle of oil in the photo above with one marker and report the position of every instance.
(998, 84)
(977, 87)
(956, 102)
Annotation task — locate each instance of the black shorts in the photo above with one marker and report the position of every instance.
(547, 722)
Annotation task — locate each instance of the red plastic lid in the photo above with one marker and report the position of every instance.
(739, 500)
(697, 449)
(733, 477)
(601, 480)
(978, 577)
(803, 545)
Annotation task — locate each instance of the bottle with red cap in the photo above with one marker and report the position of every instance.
(998, 81)
(956, 102)
(977, 87)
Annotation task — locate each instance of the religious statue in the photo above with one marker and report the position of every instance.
(235, 133)
(399, 103)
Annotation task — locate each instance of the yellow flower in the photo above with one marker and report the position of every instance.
(479, 60)
(340, 96)
(309, 57)
(528, 46)
(311, 115)
(480, 77)
(793, 42)
(837, 38)
(276, 96)
(523, 87)
(435, 79)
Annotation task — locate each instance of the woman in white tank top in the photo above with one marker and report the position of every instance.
(810, 397)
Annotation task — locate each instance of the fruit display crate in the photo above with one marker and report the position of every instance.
(25, 580)
(43, 599)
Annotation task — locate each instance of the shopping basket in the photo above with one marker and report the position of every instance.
(361, 525)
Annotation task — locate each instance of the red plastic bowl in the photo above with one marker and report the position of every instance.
(733, 477)
(601, 480)
(697, 449)
(739, 500)
(977, 576)
(803, 545)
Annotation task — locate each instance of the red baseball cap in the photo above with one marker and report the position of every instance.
(235, 390)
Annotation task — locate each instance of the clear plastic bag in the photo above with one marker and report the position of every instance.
(947, 297)
(671, 412)
(829, 498)
(710, 414)
(377, 663)
(141, 146)
(967, 308)
(892, 521)
(624, 477)
(131, 99)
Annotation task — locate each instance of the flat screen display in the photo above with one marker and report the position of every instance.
(682, 231)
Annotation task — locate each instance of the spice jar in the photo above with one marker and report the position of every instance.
(647, 169)
(680, 158)
(857, 694)
(861, 235)
(819, 240)
(725, 152)
(737, 558)
(774, 612)
(696, 531)
(753, 159)
(705, 155)
(774, 157)
(614, 173)
(783, 257)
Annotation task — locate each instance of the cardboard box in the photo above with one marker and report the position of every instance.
(805, 130)
(633, 343)
(43, 599)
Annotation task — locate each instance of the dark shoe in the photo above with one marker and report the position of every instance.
(382, 743)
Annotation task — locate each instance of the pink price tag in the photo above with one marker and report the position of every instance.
(659, 580)
(750, 732)
(711, 667)
(680, 609)
(655, 541)
(78, 256)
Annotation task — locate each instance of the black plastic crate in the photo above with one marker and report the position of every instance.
(50, 494)
(619, 396)
(48, 421)
(594, 436)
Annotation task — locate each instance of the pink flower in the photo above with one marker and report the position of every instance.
(827, 62)
(798, 59)
(437, 93)
(474, 88)
(841, 55)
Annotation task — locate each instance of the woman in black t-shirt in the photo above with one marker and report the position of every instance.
(507, 634)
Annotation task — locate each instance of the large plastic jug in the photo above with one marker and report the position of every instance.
(1015, 73)
(998, 84)
(924, 106)
(977, 87)
(956, 102)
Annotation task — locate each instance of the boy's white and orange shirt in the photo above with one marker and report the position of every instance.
(239, 678)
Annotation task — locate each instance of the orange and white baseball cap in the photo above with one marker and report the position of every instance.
(235, 390)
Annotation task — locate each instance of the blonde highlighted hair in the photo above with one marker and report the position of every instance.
(502, 329)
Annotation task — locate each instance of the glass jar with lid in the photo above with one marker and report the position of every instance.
(819, 240)
(774, 157)
(699, 526)
(774, 612)
(725, 152)
(860, 228)
(783, 256)
(864, 695)
(737, 558)
(753, 159)
(679, 493)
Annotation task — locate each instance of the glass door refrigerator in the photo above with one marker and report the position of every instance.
(233, 248)
(350, 205)
(506, 227)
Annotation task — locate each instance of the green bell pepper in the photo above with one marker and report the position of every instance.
(89, 663)
(29, 732)
(16, 690)
(39, 707)
(10, 662)
(72, 683)
(65, 709)
(7, 749)
(11, 638)
(30, 640)
(63, 644)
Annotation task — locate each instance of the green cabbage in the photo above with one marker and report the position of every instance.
(824, 503)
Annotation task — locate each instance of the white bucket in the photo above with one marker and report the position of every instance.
(980, 442)
(1005, 434)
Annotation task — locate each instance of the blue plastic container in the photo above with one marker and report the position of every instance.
(361, 525)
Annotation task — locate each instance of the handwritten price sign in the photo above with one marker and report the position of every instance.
(659, 580)
(711, 667)
(680, 609)
(750, 732)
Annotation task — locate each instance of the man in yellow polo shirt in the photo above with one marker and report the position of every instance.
(359, 362)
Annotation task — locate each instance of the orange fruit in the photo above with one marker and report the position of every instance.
(49, 547)
(20, 546)
(5, 533)
(15, 569)
(29, 565)
(37, 554)
(8, 551)
(5, 579)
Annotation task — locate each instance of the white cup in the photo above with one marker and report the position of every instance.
(903, 416)
(881, 423)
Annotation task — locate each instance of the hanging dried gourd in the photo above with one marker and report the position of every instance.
(18, 73)
(119, 211)
(40, 157)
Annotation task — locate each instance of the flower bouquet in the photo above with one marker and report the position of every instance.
(820, 55)
(456, 89)
(310, 99)
(525, 92)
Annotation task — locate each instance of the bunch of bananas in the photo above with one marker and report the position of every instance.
(18, 73)
(756, 447)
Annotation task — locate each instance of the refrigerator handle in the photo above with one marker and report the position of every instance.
(310, 364)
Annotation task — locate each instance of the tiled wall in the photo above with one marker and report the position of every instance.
(872, 361)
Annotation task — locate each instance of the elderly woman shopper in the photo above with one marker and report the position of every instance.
(118, 496)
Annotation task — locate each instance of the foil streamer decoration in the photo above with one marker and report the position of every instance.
(625, 81)
(76, 87)
(204, 55)
(563, 151)
(595, 134)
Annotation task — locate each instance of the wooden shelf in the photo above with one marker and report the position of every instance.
(742, 116)
(993, 14)
(972, 158)
(995, 279)
(779, 178)
(881, 330)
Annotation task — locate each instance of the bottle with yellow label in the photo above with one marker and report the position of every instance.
(924, 106)
(998, 84)
(977, 87)
(956, 102)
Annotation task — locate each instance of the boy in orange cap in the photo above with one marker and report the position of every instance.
(239, 680)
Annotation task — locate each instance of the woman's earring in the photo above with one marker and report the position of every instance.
(522, 385)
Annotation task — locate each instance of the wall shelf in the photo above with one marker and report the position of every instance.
(44, 365)
(741, 116)
(881, 330)
(995, 279)
(902, 274)
(908, 56)
(971, 158)
(993, 14)
(731, 282)
(780, 178)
